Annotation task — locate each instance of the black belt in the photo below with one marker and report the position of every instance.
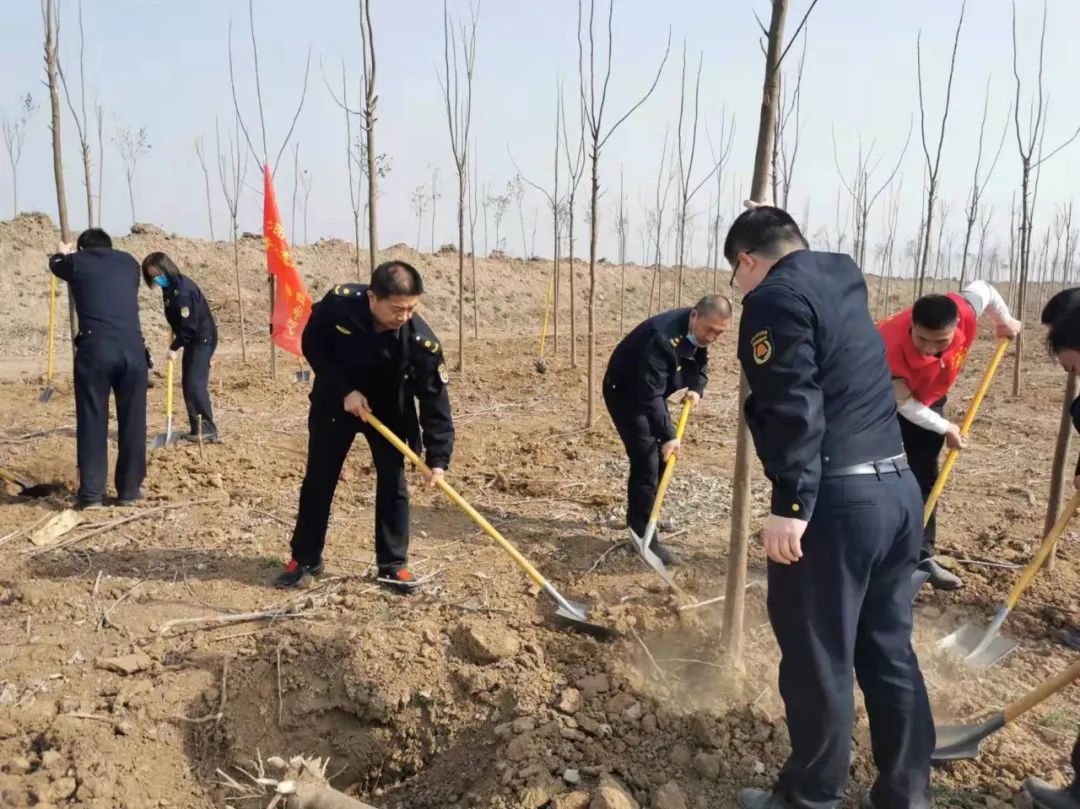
(885, 466)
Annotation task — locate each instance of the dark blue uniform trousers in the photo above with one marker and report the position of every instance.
(196, 384)
(846, 606)
(101, 369)
(643, 452)
(330, 435)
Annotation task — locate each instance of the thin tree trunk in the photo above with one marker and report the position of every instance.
(732, 634)
(573, 293)
(239, 296)
(590, 409)
(461, 269)
(1021, 293)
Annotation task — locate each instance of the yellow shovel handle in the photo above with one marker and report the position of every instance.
(669, 466)
(1044, 551)
(460, 502)
(169, 390)
(547, 308)
(1046, 688)
(965, 426)
(52, 329)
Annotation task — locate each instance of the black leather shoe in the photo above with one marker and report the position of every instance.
(940, 578)
(1045, 796)
(132, 500)
(295, 572)
(760, 799)
(668, 558)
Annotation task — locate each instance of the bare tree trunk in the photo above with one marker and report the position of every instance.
(731, 637)
(295, 188)
(933, 165)
(49, 14)
(370, 101)
(100, 113)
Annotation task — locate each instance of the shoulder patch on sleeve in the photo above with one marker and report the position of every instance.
(443, 375)
(761, 347)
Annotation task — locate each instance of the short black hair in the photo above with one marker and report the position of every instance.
(714, 305)
(93, 237)
(765, 229)
(935, 312)
(161, 262)
(396, 278)
(1062, 315)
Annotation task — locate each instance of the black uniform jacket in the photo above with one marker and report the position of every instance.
(651, 363)
(188, 313)
(390, 368)
(821, 393)
(104, 284)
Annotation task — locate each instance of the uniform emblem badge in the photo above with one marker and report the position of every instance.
(443, 375)
(184, 311)
(761, 347)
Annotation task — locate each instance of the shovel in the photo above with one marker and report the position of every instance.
(965, 426)
(166, 438)
(27, 489)
(573, 613)
(982, 648)
(48, 392)
(642, 543)
(958, 742)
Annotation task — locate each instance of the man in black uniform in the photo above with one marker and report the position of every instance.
(371, 355)
(110, 356)
(663, 354)
(845, 527)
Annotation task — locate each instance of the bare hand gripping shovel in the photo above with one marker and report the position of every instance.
(982, 648)
(574, 613)
(642, 543)
(958, 742)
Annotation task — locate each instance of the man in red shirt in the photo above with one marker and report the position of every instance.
(926, 346)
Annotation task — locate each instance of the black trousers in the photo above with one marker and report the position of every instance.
(643, 451)
(330, 435)
(846, 606)
(195, 384)
(922, 448)
(101, 369)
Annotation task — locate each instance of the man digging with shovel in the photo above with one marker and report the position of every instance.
(371, 355)
(926, 345)
(664, 354)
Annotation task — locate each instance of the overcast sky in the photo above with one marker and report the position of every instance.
(163, 65)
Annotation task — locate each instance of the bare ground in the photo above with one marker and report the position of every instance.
(468, 693)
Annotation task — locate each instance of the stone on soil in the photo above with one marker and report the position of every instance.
(484, 641)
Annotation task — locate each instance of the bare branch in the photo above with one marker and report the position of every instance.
(296, 117)
(795, 36)
(236, 102)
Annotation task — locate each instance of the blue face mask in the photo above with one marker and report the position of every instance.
(162, 281)
(690, 338)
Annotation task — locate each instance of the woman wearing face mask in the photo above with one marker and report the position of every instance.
(194, 330)
(1062, 317)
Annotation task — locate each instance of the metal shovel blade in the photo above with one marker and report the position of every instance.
(163, 440)
(641, 545)
(46, 394)
(959, 742)
(576, 613)
(980, 647)
(920, 577)
(302, 376)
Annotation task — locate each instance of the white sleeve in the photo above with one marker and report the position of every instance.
(984, 298)
(922, 416)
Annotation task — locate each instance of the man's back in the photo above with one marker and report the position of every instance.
(852, 372)
(105, 285)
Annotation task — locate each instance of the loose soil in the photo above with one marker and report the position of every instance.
(467, 693)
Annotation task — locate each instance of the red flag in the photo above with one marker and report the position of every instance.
(292, 306)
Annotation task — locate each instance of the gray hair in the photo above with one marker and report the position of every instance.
(714, 306)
